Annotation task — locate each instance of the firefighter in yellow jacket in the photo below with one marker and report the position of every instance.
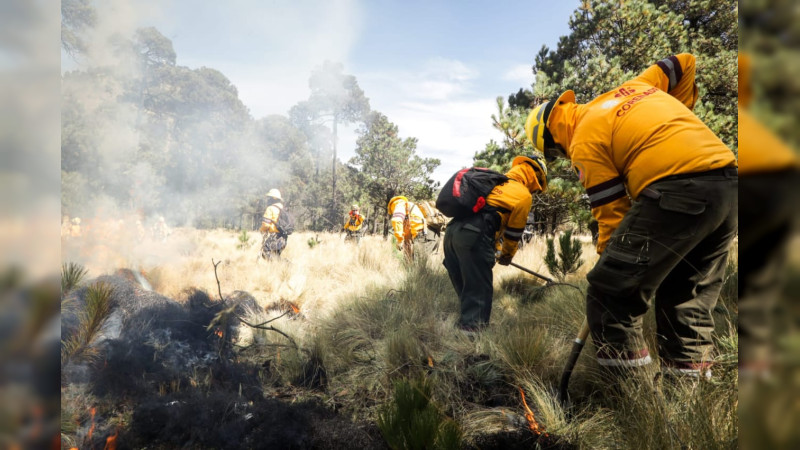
(470, 243)
(353, 224)
(401, 209)
(663, 188)
(274, 242)
(770, 192)
(354, 220)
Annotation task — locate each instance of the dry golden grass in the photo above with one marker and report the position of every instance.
(371, 319)
(313, 278)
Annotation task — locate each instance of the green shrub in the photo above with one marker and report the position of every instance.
(569, 256)
(244, 240)
(412, 421)
(78, 347)
(71, 275)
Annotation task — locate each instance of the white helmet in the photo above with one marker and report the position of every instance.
(274, 193)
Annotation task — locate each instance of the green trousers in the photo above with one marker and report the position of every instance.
(671, 245)
(469, 259)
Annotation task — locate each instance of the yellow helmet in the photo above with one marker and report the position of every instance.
(274, 193)
(354, 207)
(394, 200)
(538, 165)
(536, 127)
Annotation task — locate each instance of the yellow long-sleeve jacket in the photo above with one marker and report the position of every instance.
(760, 151)
(642, 131)
(270, 219)
(399, 208)
(513, 202)
(354, 221)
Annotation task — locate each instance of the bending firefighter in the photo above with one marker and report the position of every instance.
(273, 241)
(353, 225)
(770, 193)
(470, 243)
(663, 188)
(407, 223)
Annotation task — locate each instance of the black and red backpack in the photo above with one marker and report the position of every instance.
(465, 192)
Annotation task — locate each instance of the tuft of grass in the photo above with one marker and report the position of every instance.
(674, 412)
(71, 275)
(78, 347)
(527, 288)
(522, 346)
(584, 428)
(729, 295)
(75, 407)
(412, 421)
(405, 352)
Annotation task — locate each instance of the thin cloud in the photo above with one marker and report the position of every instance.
(437, 104)
(520, 73)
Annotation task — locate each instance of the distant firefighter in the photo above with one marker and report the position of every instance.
(140, 231)
(75, 228)
(160, 229)
(353, 224)
(274, 237)
(407, 222)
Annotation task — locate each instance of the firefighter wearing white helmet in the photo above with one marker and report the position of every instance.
(273, 241)
(274, 207)
(663, 188)
(470, 243)
(75, 229)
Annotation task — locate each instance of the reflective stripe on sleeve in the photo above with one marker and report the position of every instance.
(672, 69)
(513, 234)
(606, 192)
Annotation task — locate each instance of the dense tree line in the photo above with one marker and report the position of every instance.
(142, 135)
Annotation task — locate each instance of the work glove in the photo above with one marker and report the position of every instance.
(399, 246)
(504, 260)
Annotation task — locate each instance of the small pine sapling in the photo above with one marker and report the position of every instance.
(313, 241)
(568, 259)
(244, 240)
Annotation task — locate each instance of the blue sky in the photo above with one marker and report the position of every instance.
(433, 67)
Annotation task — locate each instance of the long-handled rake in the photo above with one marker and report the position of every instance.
(577, 345)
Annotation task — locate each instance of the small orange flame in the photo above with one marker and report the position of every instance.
(532, 424)
(430, 361)
(92, 411)
(294, 308)
(218, 332)
(111, 441)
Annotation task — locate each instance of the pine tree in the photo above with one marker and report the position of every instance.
(569, 256)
